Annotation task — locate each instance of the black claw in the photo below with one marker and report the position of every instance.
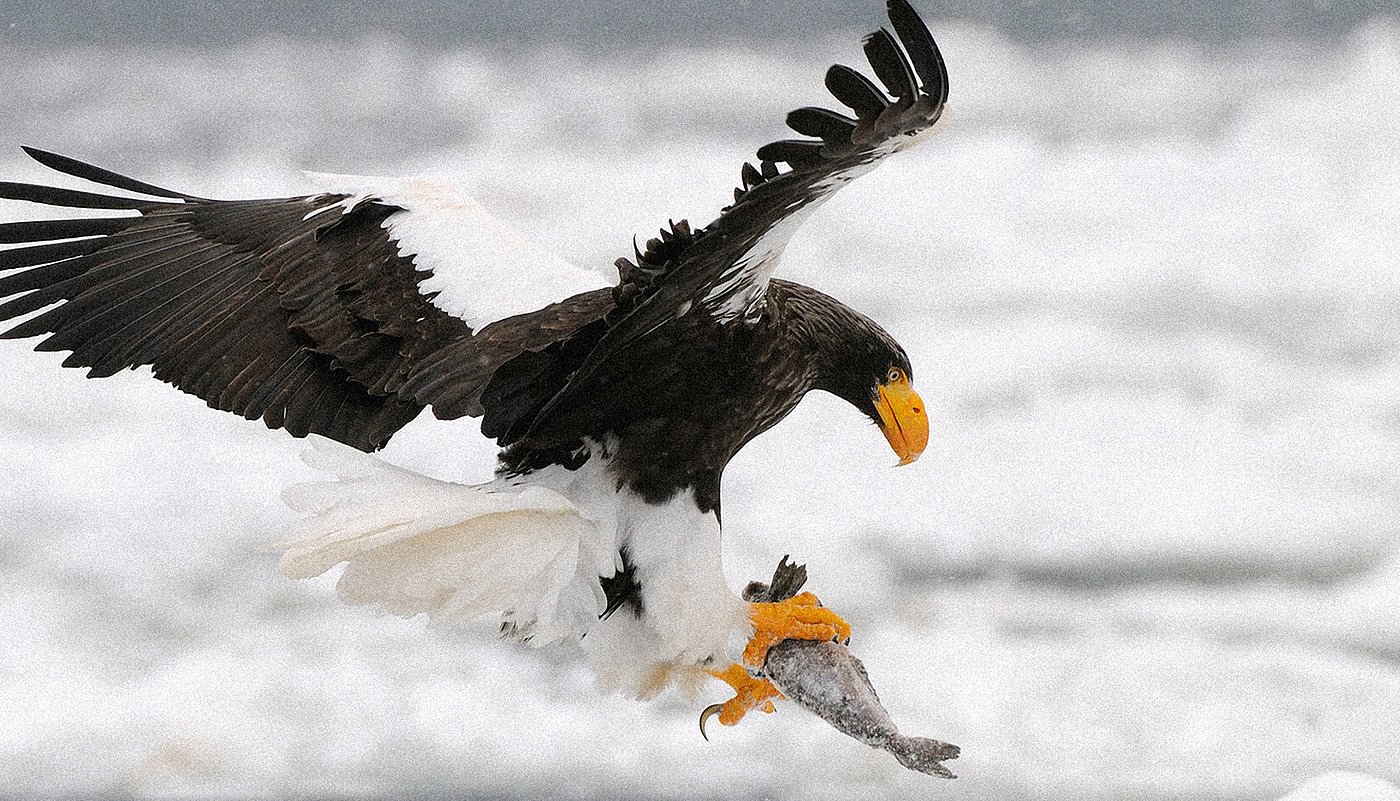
(710, 711)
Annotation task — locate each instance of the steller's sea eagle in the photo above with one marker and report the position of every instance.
(616, 408)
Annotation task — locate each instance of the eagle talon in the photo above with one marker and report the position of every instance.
(710, 711)
(801, 617)
(749, 693)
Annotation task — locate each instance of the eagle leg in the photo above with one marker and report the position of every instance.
(749, 693)
(801, 617)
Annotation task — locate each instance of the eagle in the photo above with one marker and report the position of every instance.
(616, 407)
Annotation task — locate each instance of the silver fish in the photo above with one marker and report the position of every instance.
(828, 680)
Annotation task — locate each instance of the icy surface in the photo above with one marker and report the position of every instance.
(1344, 785)
(1152, 297)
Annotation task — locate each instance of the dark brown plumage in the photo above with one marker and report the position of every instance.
(305, 313)
(311, 320)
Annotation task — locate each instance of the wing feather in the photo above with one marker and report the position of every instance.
(98, 175)
(856, 92)
(730, 278)
(796, 152)
(44, 230)
(890, 65)
(923, 52)
(723, 270)
(831, 127)
(55, 263)
(68, 198)
(314, 313)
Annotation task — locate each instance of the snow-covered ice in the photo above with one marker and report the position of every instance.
(1344, 785)
(1151, 291)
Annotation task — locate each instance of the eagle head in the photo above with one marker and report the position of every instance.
(855, 359)
(878, 383)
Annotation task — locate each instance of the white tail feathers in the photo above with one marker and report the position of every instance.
(415, 544)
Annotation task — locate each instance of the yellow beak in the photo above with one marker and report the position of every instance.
(902, 419)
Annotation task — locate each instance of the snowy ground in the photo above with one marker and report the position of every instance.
(1152, 297)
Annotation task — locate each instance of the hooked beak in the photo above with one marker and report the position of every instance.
(902, 419)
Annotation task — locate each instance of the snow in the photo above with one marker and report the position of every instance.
(1150, 294)
(1344, 785)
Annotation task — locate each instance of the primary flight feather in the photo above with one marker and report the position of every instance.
(346, 314)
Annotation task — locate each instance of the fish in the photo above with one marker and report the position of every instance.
(825, 678)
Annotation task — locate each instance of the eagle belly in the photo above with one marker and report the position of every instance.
(686, 614)
(531, 548)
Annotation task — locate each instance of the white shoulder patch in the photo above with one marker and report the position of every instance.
(482, 269)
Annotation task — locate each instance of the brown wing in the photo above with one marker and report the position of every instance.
(298, 310)
(722, 271)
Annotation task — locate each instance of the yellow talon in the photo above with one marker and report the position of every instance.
(749, 693)
(801, 617)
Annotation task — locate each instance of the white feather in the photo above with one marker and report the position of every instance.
(530, 548)
(740, 290)
(483, 270)
(415, 545)
(690, 616)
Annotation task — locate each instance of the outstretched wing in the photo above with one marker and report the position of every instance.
(324, 314)
(725, 270)
(719, 275)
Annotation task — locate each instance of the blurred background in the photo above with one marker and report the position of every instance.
(1147, 277)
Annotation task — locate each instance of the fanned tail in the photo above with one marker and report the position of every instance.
(414, 544)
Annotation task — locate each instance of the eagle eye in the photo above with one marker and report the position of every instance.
(895, 376)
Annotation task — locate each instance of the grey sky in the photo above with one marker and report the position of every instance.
(617, 23)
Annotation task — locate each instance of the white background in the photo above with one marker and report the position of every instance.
(1151, 294)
